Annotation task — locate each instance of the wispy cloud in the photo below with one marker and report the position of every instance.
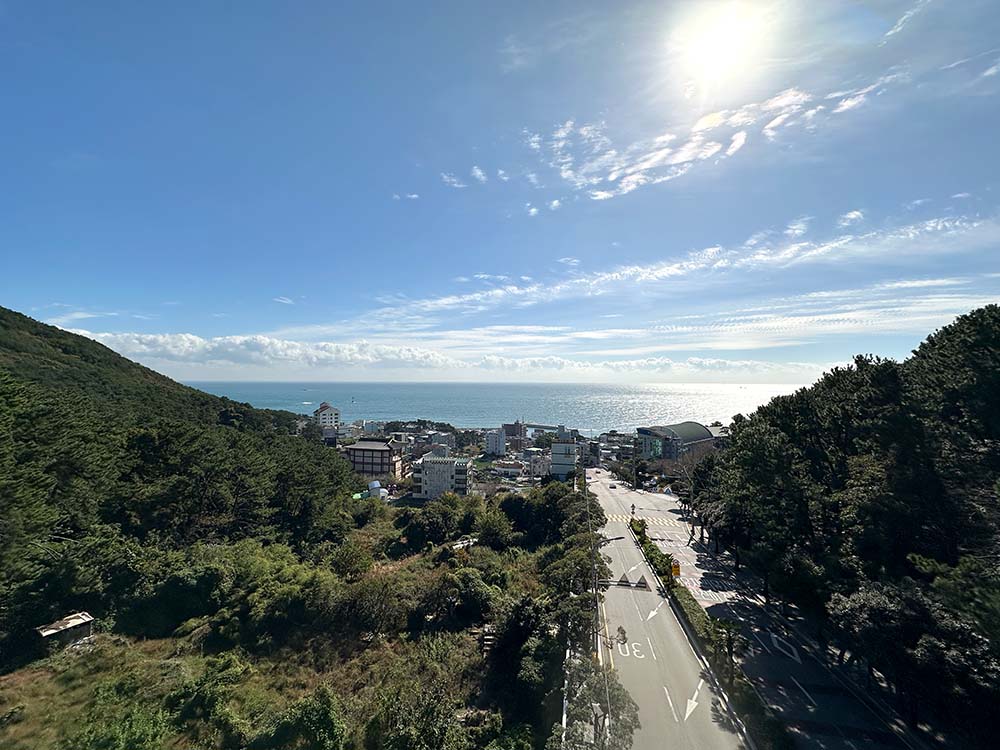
(903, 20)
(76, 315)
(451, 180)
(850, 218)
(554, 204)
(478, 174)
(502, 175)
(568, 261)
(284, 300)
(798, 227)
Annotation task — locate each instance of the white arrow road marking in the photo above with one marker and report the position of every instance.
(671, 705)
(652, 612)
(633, 567)
(692, 703)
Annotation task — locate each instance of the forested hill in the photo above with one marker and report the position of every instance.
(869, 500)
(54, 359)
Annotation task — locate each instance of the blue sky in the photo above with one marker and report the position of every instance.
(668, 191)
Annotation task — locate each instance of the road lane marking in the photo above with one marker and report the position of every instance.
(780, 644)
(692, 703)
(607, 633)
(761, 642)
(672, 710)
(652, 612)
(651, 648)
(633, 568)
(804, 691)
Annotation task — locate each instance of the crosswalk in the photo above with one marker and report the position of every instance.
(622, 518)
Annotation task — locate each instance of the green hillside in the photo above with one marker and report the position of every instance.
(52, 358)
(243, 597)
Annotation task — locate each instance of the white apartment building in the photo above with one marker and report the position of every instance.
(564, 458)
(327, 416)
(496, 442)
(435, 475)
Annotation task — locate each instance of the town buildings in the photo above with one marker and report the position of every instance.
(327, 416)
(496, 442)
(672, 441)
(435, 475)
(564, 458)
(376, 458)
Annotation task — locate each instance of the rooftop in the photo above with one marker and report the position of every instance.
(69, 621)
(687, 432)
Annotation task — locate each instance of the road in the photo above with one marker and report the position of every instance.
(821, 710)
(679, 703)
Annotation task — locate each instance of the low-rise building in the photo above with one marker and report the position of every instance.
(564, 458)
(435, 475)
(672, 440)
(496, 442)
(376, 458)
(69, 629)
(509, 469)
(327, 416)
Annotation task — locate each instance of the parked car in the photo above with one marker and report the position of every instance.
(612, 486)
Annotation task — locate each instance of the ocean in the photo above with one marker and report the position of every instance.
(590, 408)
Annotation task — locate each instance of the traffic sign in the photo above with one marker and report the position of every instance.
(675, 569)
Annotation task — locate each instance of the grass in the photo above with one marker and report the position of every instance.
(50, 700)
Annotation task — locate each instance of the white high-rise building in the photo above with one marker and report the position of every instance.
(496, 442)
(435, 475)
(327, 416)
(564, 456)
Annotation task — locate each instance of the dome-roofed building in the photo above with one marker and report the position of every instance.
(672, 440)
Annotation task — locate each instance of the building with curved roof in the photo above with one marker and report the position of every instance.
(672, 440)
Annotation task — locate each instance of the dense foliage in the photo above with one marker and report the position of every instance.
(869, 501)
(170, 514)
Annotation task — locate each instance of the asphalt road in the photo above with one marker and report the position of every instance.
(679, 703)
(822, 711)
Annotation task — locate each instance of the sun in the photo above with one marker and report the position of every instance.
(721, 43)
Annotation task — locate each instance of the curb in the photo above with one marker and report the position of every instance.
(695, 646)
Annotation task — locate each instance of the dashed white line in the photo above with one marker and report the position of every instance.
(804, 691)
(672, 709)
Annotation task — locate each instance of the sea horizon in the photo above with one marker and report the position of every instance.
(591, 408)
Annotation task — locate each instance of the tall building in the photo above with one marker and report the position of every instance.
(516, 434)
(435, 475)
(496, 442)
(327, 416)
(564, 457)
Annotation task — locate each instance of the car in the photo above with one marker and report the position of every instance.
(612, 486)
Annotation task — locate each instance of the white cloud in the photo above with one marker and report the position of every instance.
(903, 20)
(502, 175)
(798, 227)
(962, 195)
(737, 142)
(70, 317)
(532, 210)
(412, 196)
(849, 103)
(992, 70)
(569, 261)
(554, 204)
(284, 300)
(532, 178)
(478, 173)
(850, 218)
(491, 277)
(451, 180)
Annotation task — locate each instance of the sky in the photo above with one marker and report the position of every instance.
(522, 191)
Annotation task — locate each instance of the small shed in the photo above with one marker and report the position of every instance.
(69, 629)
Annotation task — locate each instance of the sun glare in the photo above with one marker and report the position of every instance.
(721, 43)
